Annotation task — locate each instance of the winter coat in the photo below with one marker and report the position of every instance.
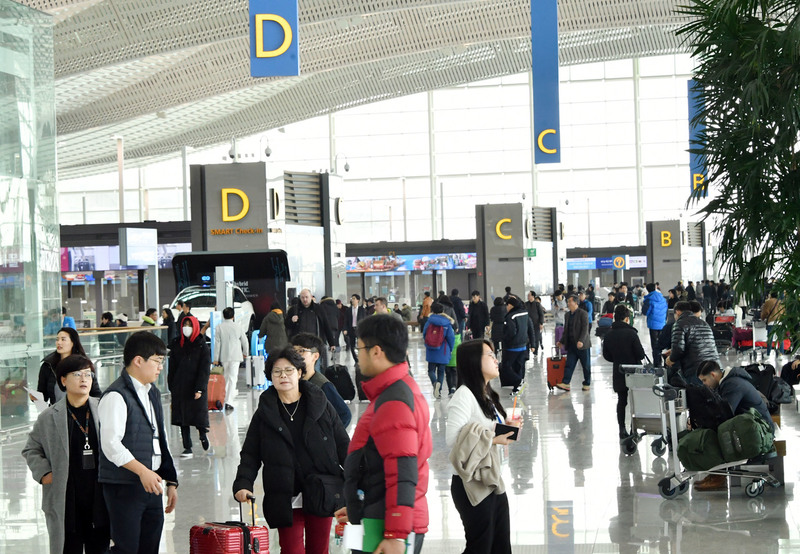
(518, 331)
(388, 456)
(440, 355)
(309, 320)
(536, 313)
(737, 389)
(47, 451)
(189, 369)
(771, 310)
(655, 308)
(587, 307)
(230, 343)
(47, 380)
(692, 343)
(478, 316)
(576, 329)
(559, 311)
(458, 307)
(270, 444)
(273, 328)
(622, 346)
(608, 306)
(497, 315)
(331, 313)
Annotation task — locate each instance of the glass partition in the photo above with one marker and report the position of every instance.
(29, 237)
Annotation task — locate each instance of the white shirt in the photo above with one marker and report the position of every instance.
(113, 415)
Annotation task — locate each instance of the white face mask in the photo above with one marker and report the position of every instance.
(187, 331)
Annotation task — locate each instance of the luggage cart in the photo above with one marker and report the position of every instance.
(678, 483)
(648, 416)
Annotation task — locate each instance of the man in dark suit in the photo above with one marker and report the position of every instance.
(353, 316)
(478, 316)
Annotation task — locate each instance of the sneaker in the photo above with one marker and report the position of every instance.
(228, 408)
(585, 387)
(437, 390)
(452, 392)
(562, 386)
(187, 453)
(204, 442)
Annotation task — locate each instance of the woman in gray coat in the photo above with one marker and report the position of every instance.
(62, 452)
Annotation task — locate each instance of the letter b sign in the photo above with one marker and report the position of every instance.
(666, 239)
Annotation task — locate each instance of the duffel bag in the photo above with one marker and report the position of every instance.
(744, 436)
(698, 450)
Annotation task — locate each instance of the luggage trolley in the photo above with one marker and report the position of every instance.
(648, 416)
(678, 483)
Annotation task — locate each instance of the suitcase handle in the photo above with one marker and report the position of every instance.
(255, 547)
(556, 351)
(252, 499)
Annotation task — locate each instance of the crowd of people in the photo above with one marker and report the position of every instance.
(313, 472)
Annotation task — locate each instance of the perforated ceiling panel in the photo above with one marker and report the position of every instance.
(167, 74)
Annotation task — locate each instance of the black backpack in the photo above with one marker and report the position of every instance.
(339, 375)
(775, 390)
(706, 407)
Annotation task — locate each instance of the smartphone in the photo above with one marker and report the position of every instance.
(501, 429)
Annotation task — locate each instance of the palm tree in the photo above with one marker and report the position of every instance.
(748, 75)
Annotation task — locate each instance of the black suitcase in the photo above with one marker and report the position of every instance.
(360, 379)
(339, 375)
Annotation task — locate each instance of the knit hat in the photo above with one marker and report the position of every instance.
(122, 317)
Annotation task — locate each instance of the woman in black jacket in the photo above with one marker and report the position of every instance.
(497, 317)
(622, 346)
(168, 320)
(298, 438)
(189, 369)
(68, 342)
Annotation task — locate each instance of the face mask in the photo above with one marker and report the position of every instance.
(187, 331)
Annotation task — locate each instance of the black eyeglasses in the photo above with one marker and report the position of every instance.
(366, 347)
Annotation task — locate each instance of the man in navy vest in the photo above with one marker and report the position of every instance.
(135, 464)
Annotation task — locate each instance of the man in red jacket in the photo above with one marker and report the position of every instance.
(386, 470)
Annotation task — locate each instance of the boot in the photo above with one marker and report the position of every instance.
(712, 483)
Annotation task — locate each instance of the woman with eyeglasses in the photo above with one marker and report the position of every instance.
(62, 454)
(472, 414)
(189, 370)
(297, 436)
(68, 342)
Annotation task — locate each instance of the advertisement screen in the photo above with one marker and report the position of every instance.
(411, 262)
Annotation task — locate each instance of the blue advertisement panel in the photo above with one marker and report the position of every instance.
(697, 162)
(415, 262)
(576, 264)
(544, 48)
(274, 49)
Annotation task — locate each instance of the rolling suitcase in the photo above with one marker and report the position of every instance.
(216, 392)
(231, 537)
(339, 375)
(555, 369)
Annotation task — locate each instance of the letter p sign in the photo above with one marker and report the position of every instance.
(666, 239)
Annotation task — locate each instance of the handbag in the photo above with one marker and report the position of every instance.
(322, 494)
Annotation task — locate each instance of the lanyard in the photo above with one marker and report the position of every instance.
(85, 431)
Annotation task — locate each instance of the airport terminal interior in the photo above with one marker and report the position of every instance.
(376, 168)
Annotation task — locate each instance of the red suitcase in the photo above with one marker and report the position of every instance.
(231, 537)
(555, 369)
(216, 392)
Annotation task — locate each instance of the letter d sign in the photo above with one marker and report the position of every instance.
(666, 239)
(226, 216)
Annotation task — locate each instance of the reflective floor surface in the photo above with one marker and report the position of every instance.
(570, 489)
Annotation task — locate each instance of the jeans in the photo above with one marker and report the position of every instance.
(770, 338)
(573, 357)
(436, 372)
(462, 323)
(654, 333)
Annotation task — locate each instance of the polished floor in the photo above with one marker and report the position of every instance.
(570, 489)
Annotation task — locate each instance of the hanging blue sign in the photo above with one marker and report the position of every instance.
(274, 49)
(544, 50)
(697, 162)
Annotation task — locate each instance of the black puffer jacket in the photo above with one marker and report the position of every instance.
(269, 442)
(692, 344)
(518, 332)
(622, 346)
(47, 380)
(189, 369)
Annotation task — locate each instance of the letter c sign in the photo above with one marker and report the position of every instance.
(498, 228)
(226, 216)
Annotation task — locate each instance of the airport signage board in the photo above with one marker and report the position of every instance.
(544, 49)
(274, 45)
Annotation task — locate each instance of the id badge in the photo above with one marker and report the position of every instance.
(87, 460)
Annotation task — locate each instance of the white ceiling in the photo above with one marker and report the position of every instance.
(170, 73)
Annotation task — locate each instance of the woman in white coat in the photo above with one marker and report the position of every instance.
(477, 488)
(62, 453)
